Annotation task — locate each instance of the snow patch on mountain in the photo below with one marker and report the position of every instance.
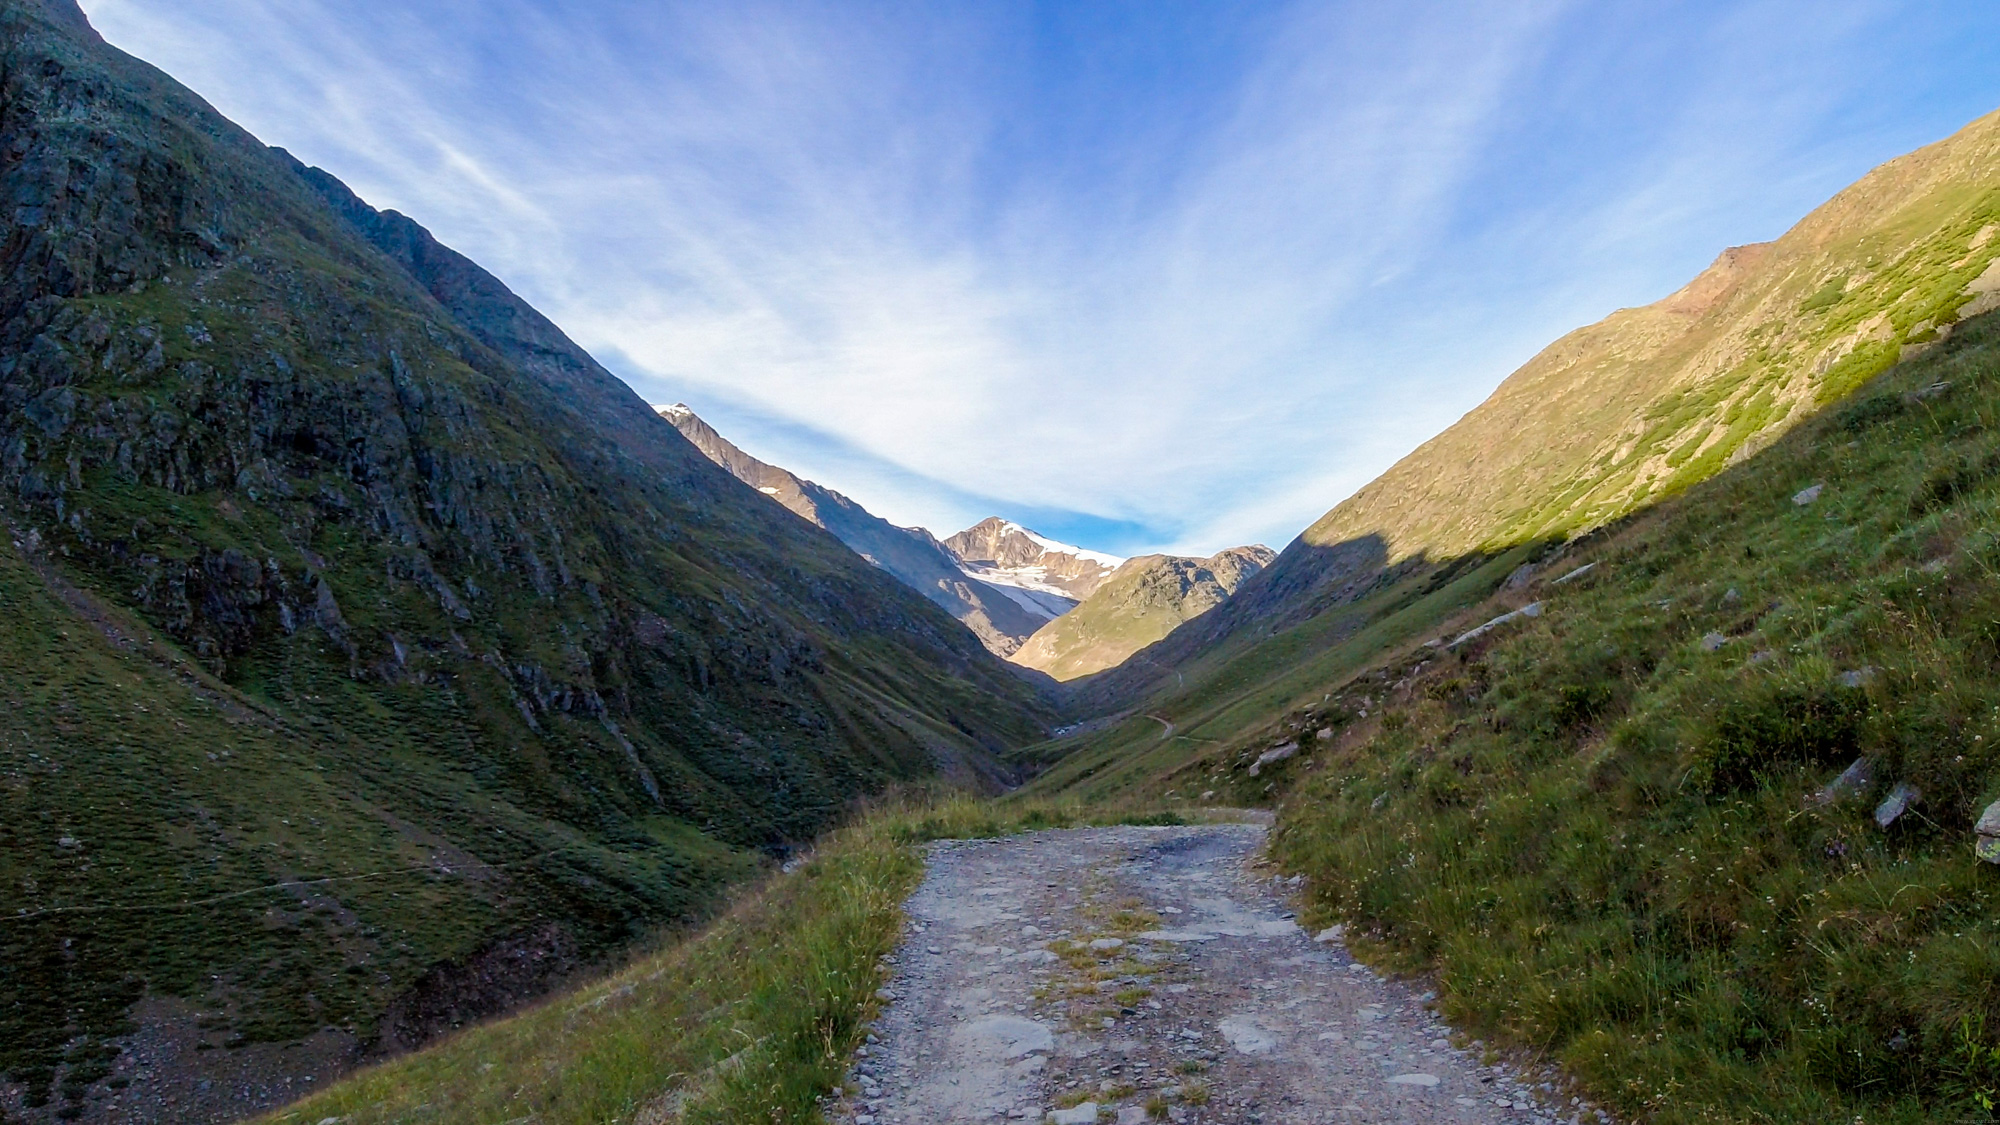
(1005, 554)
(1054, 547)
(1044, 601)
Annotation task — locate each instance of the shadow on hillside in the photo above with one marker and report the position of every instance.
(1355, 577)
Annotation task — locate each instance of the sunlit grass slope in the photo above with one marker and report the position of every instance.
(1651, 400)
(1602, 829)
(1643, 404)
(1141, 602)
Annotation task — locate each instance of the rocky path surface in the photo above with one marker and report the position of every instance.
(1133, 974)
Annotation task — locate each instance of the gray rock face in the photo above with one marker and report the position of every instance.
(1532, 609)
(1274, 754)
(1896, 804)
(1853, 781)
(1987, 833)
(1573, 575)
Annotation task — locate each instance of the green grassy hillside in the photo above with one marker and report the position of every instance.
(1646, 402)
(753, 1018)
(1612, 833)
(1141, 602)
(374, 658)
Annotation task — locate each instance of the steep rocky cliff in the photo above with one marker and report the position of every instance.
(372, 656)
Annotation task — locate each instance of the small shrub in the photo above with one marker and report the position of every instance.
(1972, 1067)
(1946, 485)
(1580, 703)
(1869, 412)
(1826, 296)
(1776, 727)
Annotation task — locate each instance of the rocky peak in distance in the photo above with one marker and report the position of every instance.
(1003, 552)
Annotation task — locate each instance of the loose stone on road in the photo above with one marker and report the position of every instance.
(1134, 974)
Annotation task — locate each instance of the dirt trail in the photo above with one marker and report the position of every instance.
(1130, 974)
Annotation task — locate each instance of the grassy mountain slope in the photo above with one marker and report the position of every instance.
(1601, 830)
(1634, 408)
(1140, 603)
(374, 657)
(752, 1018)
(1614, 833)
(1651, 400)
(911, 554)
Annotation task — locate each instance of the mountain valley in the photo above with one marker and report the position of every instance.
(405, 722)
(1045, 605)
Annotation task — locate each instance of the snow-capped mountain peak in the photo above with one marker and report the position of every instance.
(1047, 574)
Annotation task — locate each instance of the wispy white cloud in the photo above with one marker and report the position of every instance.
(943, 258)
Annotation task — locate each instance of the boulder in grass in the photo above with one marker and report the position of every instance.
(1532, 609)
(1579, 572)
(1275, 754)
(1853, 781)
(1807, 495)
(1988, 828)
(1896, 804)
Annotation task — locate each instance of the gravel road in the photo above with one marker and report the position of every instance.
(1131, 974)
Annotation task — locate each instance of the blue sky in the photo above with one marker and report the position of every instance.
(1144, 275)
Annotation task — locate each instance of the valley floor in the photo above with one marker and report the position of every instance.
(1132, 973)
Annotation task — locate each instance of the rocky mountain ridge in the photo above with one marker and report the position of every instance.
(911, 554)
(1044, 572)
